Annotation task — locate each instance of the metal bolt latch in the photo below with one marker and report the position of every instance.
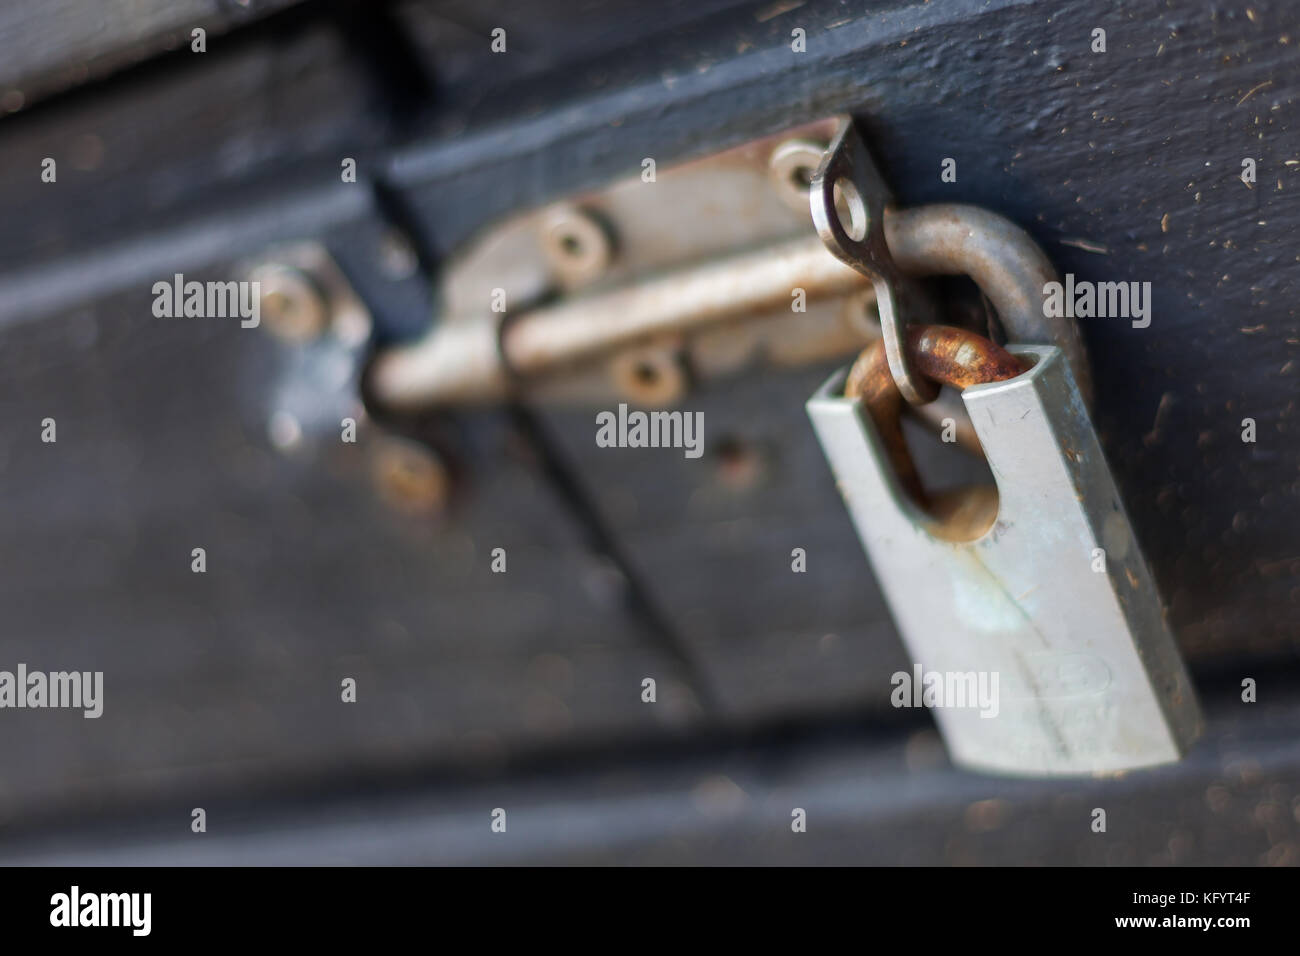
(628, 268)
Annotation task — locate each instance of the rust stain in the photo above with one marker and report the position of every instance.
(943, 354)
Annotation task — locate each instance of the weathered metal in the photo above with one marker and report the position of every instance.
(1036, 586)
(609, 270)
(1003, 260)
(848, 200)
(943, 355)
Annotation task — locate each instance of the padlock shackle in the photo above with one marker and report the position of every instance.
(943, 354)
(1003, 260)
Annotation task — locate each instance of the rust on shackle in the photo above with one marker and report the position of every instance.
(941, 353)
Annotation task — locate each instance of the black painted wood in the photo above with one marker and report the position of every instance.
(1124, 165)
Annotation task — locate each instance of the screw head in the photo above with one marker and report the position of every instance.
(576, 244)
(409, 476)
(792, 167)
(649, 376)
(292, 306)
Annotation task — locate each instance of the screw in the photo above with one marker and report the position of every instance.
(576, 243)
(792, 167)
(649, 376)
(292, 306)
(409, 476)
(740, 464)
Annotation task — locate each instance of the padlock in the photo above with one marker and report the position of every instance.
(1036, 589)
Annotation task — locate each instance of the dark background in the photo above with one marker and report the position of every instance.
(522, 690)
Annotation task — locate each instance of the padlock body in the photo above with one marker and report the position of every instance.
(1052, 609)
